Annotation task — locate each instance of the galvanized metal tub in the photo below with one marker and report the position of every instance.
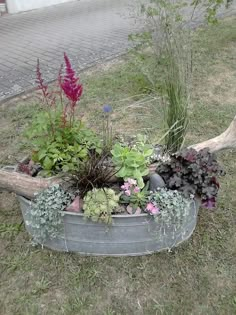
(128, 235)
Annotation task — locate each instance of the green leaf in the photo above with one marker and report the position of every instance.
(42, 154)
(145, 172)
(47, 163)
(137, 174)
(65, 168)
(148, 152)
(122, 172)
(98, 150)
(140, 182)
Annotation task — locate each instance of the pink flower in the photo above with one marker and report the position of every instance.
(155, 210)
(152, 209)
(41, 85)
(128, 192)
(49, 97)
(132, 181)
(136, 189)
(126, 186)
(149, 206)
(69, 84)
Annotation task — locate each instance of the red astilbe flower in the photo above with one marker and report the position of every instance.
(49, 97)
(69, 83)
(39, 80)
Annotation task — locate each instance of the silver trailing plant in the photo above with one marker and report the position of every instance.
(173, 207)
(45, 216)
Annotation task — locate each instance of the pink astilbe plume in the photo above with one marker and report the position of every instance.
(69, 83)
(49, 97)
(39, 80)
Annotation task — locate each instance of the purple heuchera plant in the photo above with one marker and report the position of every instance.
(48, 97)
(194, 173)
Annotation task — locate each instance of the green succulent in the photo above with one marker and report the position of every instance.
(99, 204)
(132, 162)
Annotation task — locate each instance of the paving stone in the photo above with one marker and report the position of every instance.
(89, 30)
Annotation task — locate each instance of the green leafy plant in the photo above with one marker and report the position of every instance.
(60, 139)
(99, 204)
(211, 8)
(65, 150)
(173, 206)
(193, 173)
(45, 214)
(133, 196)
(132, 162)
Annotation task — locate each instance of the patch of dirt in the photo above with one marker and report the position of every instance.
(221, 87)
(105, 66)
(7, 202)
(217, 84)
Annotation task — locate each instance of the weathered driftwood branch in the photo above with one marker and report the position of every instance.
(27, 186)
(24, 185)
(226, 140)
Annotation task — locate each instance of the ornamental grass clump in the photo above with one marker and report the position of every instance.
(164, 55)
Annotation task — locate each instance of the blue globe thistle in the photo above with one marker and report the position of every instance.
(107, 108)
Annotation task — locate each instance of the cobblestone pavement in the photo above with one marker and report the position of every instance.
(88, 30)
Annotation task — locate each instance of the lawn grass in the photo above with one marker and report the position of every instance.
(196, 278)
